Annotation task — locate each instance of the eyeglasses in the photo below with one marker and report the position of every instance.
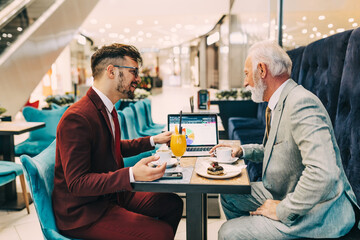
(135, 72)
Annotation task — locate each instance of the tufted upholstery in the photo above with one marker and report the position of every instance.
(321, 69)
(347, 122)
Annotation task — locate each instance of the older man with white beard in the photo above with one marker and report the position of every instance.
(304, 192)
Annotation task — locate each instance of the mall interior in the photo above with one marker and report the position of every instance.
(192, 50)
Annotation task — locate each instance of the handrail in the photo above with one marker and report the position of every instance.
(10, 11)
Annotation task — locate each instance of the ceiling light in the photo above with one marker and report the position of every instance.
(178, 25)
(93, 21)
(140, 33)
(332, 32)
(312, 35)
(139, 22)
(9, 35)
(108, 25)
(19, 29)
(314, 29)
(127, 30)
(102, 30)
(4, 35)
(140, 39)
(285, 35)
(283, 27)
(290, 37)
(173, 29)
(318, 34)
(330, 25)
(113, 35)
(340, 30)
(304, 31)
(321, 17)
(156, 22)
(324, 36)
(354, 24)
(304, 18)
(148, 35)
(351, 19)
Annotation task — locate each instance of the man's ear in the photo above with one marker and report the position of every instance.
(110, 72)
(262, 69)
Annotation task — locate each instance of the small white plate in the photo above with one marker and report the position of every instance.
(229, 171)
(215, 159)
(172, 163)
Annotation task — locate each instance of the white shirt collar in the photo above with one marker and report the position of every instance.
(276, 95)
(107, 102)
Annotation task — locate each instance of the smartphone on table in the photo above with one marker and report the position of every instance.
(172, 175)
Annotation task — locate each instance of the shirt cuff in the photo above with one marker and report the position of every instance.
(243, 152)
(131, 175)
(152, 141)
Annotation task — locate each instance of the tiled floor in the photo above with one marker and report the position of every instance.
(21, 226)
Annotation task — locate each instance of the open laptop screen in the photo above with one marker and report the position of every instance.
(201, 129)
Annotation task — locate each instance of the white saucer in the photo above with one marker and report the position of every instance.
(215, 159)
(229, 171)
(170, 164)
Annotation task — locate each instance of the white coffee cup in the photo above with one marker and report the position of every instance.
(165, 156)
(223, 154)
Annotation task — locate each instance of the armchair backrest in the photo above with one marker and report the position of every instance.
(50, 117)
(39, 172)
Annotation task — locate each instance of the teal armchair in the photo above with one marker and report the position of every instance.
(139, 109)
(150, 122)
(39, 139)
(39, 172)
(8, 172)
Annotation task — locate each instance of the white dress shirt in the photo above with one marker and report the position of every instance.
(109, 107)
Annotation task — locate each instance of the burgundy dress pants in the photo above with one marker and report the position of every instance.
(143, 216)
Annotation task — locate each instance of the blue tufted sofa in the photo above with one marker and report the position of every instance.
(330, 68)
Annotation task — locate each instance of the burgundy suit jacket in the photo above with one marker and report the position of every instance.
(87, 177)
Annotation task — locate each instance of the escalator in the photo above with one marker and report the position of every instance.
(32, 35)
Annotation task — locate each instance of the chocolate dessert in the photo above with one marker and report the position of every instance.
(215, 169)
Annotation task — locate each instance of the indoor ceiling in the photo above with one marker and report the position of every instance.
(152, 24)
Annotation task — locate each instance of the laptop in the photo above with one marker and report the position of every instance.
(201, 131)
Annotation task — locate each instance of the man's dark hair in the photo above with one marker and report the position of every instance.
(105, 56)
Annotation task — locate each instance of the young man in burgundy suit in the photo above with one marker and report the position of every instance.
(92, 196)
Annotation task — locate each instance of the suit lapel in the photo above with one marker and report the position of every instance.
(275, 123)
(94, 97)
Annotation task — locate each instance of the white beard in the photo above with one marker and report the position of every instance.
(257, 92)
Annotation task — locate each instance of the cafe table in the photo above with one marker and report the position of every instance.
(196, 189)
(8, 195)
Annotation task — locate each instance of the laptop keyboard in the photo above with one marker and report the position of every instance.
(198, 149)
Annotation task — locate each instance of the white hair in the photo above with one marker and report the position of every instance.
(274, 57)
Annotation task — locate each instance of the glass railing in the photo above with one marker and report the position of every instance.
(21, 21)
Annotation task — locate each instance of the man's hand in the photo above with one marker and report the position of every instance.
(236, 151)
(268, 209)
(163, 138)
(143, 172)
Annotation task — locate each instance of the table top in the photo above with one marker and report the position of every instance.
(192, 182)
(19, 127)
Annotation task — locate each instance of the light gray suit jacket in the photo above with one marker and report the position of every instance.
(302, 167)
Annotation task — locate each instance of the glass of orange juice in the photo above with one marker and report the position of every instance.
(178, 145)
